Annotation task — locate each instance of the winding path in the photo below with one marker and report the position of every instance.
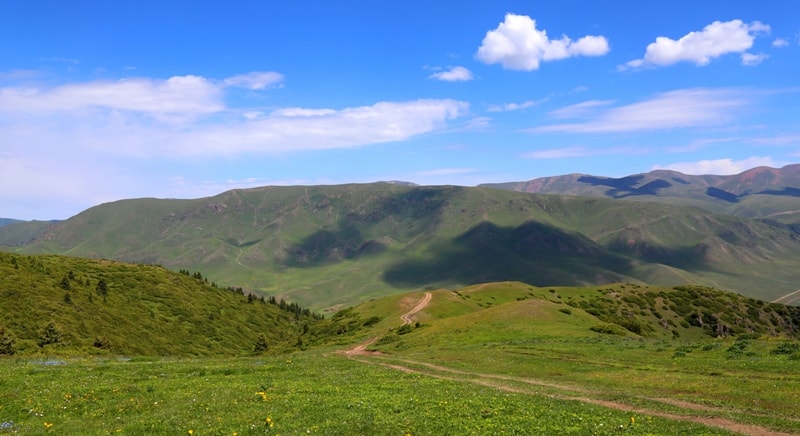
(406, 317)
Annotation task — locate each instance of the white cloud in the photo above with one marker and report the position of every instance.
(179, 94)
(674, 109)
(257, 80)
(454, 74)
(715, 40)
(750, 60)
(780, 42)
(508, 107)
(516, 44)
(720, 166)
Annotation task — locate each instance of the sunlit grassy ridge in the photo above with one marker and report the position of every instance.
(333, 246)
(644, 347)
(105, 307)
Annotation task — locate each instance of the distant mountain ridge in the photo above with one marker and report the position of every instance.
(329, 246)
(762, 192)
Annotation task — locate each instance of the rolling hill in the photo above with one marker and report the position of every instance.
(55, 305)
(330, 246)
(769, 193)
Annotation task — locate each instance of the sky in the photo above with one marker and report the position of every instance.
(107, 100)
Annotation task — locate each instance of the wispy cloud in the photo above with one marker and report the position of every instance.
(720, 166)
(508, 107)
(700, 47)
(580, 151)
(580, 110)
(257, 80)
(674, 109)
(517, 44)
(454, 74)
(187, 115)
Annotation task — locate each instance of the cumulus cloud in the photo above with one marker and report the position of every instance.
(517, 44)
(257, 80)
(675, 109)
(454, 74)
(715, 40)
(725, 166)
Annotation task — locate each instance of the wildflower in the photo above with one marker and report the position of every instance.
(190, 431)
(633, 420)
(268, 422)
(263, 395)
(48, 424)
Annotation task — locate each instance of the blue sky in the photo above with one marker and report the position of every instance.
(101, 101)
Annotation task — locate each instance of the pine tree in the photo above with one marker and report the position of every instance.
(50, 335)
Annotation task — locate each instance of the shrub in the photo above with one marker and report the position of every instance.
(565, 310)
(51, 335)
(8, 343)
(786, 348)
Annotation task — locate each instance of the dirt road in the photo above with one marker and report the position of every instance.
(406, 317)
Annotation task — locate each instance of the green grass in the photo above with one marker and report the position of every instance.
(288, 395)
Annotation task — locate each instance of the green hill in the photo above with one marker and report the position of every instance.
(330, 246)
(508, 312)
(64, 305)
(15, 233)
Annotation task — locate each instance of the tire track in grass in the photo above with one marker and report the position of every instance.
(568, 393)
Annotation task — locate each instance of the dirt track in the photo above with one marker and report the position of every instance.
(406, 317)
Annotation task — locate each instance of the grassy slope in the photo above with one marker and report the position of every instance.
(336, 245)
(515, 335)
(148, 310)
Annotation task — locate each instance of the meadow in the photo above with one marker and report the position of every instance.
(300, 393)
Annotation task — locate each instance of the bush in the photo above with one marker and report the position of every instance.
(608, 329)
(51, 335)
(8, 343)
(786, 348)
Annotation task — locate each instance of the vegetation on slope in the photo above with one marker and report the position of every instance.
(64, 305)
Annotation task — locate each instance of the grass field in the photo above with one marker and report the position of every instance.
(292, 394)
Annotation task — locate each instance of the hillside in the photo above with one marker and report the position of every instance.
(57, 304)
(330, 246)
(511, 311)
(769, 193)
(16, 233)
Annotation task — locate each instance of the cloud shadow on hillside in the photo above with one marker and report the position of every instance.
(408, 212)
(533, 252)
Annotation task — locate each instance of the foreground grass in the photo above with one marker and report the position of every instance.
(293, 394)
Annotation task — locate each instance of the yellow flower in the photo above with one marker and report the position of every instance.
(48, 424)
(190, 431)
(633, 420)
(269, 422)
(263, 395)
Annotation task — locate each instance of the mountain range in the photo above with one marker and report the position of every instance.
(768, 193)
(331, 246)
